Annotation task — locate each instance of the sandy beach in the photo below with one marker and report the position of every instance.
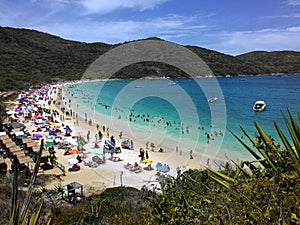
(113, 173)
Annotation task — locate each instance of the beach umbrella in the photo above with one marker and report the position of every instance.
(72, 160)
(147, 160)
(18, 110)
(29, 108)
(49, 144)
(51, 137)
(37, 136)
(163, 169)
(81, 142)
(110, 144)
(67, 128)
(22, 99)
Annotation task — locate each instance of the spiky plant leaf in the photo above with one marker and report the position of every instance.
(293, 132)
(223, 183)
(34, 218)
(15, 216)
(266, 139)
(240, 167)
(288, 147)
(243, 143)
(294, 124)
(221, 175)
(268, 159)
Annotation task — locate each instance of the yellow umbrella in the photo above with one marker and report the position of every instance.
(147, 160)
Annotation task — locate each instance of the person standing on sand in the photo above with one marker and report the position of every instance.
(191, 154)
(112, 139)
(100, 135)
(88, 136)
(178, 169)
(142, 152)
(147, 155)
(131, 145)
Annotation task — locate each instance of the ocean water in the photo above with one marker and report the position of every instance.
(179, 113)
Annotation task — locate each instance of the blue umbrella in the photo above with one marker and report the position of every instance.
(163, 169)
(37, 136)
(67, 128)
(109, 144)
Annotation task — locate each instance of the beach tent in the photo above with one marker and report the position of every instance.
(20, 134)
(16, 125)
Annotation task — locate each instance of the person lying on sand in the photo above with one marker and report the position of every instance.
(149, 167)
(135, 167)
(115, 159)
(128, 166)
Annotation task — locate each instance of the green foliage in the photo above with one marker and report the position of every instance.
(120, 205)
(29, 57)
(33, 220)
(263, 191)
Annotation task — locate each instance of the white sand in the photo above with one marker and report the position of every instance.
(110, 174)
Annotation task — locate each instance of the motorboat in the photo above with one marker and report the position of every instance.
(172, 83)
(213, 99)
(259, 106)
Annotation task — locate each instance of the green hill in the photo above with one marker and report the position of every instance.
(29, 57)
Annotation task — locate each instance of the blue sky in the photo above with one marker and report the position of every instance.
(229, 26)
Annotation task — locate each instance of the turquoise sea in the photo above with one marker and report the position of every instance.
(179, 108)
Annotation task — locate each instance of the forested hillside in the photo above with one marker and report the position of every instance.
(29, 57)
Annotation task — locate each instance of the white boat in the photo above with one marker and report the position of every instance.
(259, 106)
(213, 99)
(172, 83)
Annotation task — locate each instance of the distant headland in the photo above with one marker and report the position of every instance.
(29, 57)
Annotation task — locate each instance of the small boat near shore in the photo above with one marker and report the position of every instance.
(172, 83)
(213, 99)
(259, 106)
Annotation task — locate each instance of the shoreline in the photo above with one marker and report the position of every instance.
(123, 125)
(111, 177)
(112, 174)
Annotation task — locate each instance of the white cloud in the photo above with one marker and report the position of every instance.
(294, 29)
(106, 6)
(239, 42)
(293, 2)
(120, 31)
(294, 15)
